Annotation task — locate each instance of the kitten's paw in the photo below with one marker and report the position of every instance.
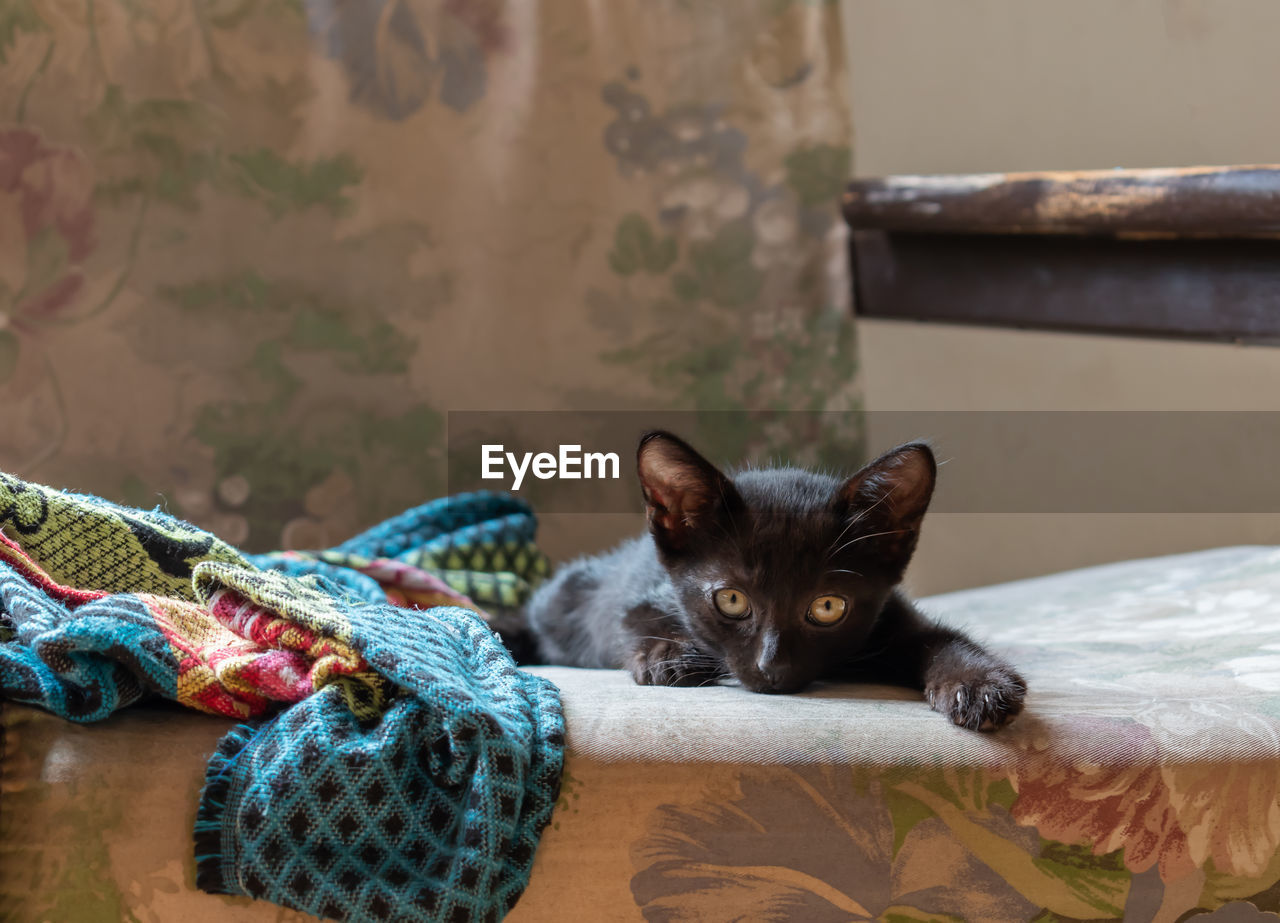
(667, 662)
(981, 700)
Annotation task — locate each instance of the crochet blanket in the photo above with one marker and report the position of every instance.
(400, 768)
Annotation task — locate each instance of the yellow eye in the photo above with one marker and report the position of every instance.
(826, 610)
(731, 602)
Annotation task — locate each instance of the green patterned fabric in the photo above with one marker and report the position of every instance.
(89, 543)
(253, 251)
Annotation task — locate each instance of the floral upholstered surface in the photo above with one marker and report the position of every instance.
(1142, 783)
(252, 252)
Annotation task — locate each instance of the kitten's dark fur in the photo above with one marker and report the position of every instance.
(784, 539)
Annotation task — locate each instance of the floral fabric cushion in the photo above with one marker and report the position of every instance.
(1142, 782)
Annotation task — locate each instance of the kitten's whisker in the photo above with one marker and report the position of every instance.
(856, 519)
(696, 668)
(842, 570)
(863, 538)
(843, 532)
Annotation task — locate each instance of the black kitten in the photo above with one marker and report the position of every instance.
(775, 578)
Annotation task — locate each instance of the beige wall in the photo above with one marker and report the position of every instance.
(1032, 85)
(998, 85)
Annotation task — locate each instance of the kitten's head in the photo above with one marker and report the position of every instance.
(782, 572)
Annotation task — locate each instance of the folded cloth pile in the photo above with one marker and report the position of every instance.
(480, 545)
(400, 766)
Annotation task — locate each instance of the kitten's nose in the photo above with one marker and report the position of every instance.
(772, 682)
(776, 678)
(776, 674)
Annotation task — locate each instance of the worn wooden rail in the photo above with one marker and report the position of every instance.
(1190, 252)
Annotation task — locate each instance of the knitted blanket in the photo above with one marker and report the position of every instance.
(479, 545)
(400, 768)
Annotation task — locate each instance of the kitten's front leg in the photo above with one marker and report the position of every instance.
(662, 655)
(669, 662)
(971, 686)
(974, 688)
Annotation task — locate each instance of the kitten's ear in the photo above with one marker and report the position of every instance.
(890, 496)
(683, 492)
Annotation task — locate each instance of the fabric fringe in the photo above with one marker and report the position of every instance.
(212, 866)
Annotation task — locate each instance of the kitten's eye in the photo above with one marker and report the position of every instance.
(826, 610)
(731, 602)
